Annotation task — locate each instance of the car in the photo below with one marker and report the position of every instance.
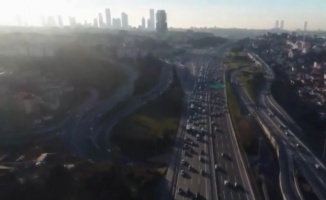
(286, 133)
(216, 166)
(317, 166)
(297, 145)
(190, 167)
(180, 190)
(183, 162)
(236, 185)
(182, 172)
(202, 172)
(223, 154)
(226, 183)
(197, 195)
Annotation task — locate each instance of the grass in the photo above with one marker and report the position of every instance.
(150, 131)
(250, 78)
(243, 126)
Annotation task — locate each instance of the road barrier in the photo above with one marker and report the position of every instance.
(245, 164)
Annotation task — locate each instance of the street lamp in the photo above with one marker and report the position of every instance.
(324, 148)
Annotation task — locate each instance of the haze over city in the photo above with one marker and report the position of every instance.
(257, 14)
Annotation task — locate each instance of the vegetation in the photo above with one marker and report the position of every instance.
(149, 69)
(150, 131)
(208, 41)
(85, 181)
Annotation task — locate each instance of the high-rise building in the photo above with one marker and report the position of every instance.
(148, 23)
(100, 21)
(277, 24)
(19, 21)
(143, 23)
(282, 24)
(151, 25)
(72, 22)
(95, 23)
(116, 23)
(305, 26)
(124, 20)
(60, 22)
(161, 21)
(108, 18)
(51, 22)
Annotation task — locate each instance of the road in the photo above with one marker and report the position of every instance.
(217, 138)
(89, 133)
(292, 152)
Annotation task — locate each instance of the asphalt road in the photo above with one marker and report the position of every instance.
(210, 184)
(194, 180)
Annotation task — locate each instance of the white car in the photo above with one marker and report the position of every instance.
(317, 166)
(182, 172)
(226, 182)
(236, 184)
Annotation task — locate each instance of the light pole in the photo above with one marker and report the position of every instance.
(324, 148)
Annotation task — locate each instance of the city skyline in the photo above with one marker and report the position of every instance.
(223, 13)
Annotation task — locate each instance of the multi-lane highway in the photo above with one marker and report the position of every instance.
(210, 165)
(292, 152)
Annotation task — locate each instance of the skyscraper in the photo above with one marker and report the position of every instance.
(277, 24)
(143, 23)
(51, 22)
(95, 24)
(60, 22)
(161, 23)
(72, 22)
(108, 18)
(124, 20)
(282, 25)
(148, 23)
(151, 24)
(116, 23)
(100, 21)
(305, 26)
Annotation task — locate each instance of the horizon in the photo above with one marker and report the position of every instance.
(243, 14)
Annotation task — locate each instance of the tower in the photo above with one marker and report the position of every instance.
(108, 17)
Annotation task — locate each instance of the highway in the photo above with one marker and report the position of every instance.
(88, 132)
(302, 155)
(209, 121)
(292, 152)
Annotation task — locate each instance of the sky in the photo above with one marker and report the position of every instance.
(258, 14)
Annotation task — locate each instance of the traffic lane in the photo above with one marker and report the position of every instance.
(233, 165)
(226, 172)
(202, 184)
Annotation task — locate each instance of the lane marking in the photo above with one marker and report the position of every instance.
(223, 194)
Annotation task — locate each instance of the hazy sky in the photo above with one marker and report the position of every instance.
(180, 13)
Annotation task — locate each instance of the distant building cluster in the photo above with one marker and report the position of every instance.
(156, 21)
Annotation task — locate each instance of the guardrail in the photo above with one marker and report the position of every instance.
(282, 112)
(245, 166)
(276, 147)
(296, 185)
